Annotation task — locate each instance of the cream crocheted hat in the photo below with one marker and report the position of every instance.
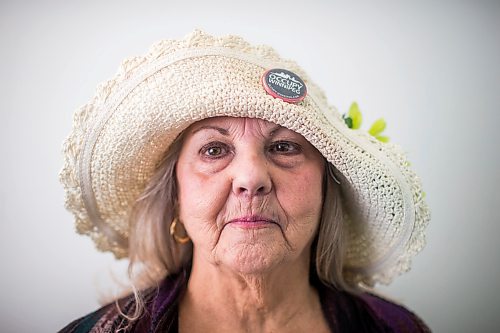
(121, 134)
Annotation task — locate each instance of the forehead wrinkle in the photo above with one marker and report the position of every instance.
(229, 126)
(262, 127)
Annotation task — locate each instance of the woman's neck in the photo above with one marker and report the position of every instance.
(222, 300)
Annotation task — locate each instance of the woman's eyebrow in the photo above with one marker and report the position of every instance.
(221, 130)
(275, 130)
(225, 132)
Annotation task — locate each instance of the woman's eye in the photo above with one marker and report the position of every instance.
(214, 150)
(285, 147)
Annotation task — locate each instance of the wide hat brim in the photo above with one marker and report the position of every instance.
(119, 137)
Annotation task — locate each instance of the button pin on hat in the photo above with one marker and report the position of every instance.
(285, 85)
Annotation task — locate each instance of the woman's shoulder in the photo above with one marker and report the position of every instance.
(395, 316)
(153, 307)
(367, 312)
(104, 319)
(88, 322)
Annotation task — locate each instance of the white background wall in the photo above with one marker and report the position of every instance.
(431, 68)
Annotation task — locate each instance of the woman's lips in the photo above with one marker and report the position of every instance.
(253, 221)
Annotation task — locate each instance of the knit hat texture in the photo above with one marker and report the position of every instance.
(119, 137)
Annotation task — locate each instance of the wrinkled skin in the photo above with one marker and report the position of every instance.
(250, 198)
(249, 192)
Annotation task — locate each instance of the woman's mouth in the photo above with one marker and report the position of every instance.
(252, 222)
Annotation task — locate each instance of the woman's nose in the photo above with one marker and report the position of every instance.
(251, 174)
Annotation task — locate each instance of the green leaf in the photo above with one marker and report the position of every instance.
(382, 138)
(355, 115)
(348, 121)
(377, 127)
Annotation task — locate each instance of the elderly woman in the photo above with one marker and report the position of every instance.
(241, 198)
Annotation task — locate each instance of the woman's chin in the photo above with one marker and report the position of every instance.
(252, 259)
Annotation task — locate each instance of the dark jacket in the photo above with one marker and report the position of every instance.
(344, 312)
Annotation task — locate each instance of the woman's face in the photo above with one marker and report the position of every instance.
(250, 193)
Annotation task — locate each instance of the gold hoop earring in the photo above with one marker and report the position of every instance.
(178, 239)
